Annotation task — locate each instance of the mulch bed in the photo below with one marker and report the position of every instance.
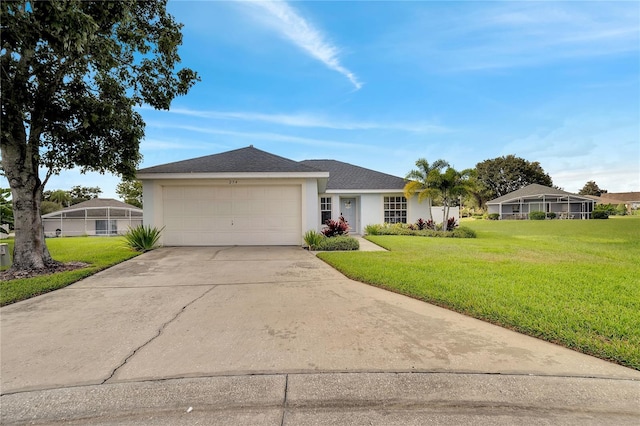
(58, 267)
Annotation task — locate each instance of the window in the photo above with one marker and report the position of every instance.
(106, 227)
(395, 210)
(325, 209)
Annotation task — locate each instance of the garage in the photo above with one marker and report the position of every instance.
(232, 214)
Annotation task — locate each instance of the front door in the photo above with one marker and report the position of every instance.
(348, 211)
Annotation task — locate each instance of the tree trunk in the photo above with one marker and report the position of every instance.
(21, 168)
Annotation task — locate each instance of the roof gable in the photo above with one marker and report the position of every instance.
(243, 160)
(345, 176)
(534, 190)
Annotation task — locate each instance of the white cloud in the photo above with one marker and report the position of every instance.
(263, 136)
(286, 21)
(310, 120)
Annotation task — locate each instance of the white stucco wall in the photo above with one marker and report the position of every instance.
(437, 213)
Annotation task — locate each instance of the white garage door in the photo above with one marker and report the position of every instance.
(232, 215)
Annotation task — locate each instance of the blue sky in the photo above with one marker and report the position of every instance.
(381, 84)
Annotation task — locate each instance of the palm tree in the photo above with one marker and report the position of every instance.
(450, 185)
(420, 181)
(61, 197)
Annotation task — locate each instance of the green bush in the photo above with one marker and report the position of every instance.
(609, 209)
(537, 216)
(313, 239)
(464, 232)
(600, 214)
(405, 229)
(142, 238)
(341, 242)
(551, 215)
(493, 216)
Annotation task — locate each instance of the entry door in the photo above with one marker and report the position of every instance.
(348, 211)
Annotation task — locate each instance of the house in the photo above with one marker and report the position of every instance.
(518, 204)
(252, 197)
(631, 200)
(98, 216)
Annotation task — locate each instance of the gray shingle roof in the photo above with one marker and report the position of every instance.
(344, 176)
(243, 160)
(98, 208)
(533, 190)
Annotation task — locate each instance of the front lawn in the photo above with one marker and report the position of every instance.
(576, 283)
(99, 252)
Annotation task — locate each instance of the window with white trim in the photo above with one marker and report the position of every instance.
(325, 209)
(395, 209)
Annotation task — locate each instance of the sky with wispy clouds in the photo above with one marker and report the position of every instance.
(380, 84)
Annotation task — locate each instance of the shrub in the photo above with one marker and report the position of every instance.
(609, 209)
(600, 214)
(493, 216)
(372, 229)
(451, 224)
(621, 210)
(551, 215)
(421, 224)
(464, 232)
(537, 215)
(341, 242)
(336, 227)
(142, 238)
(403, 229)
(313, 239)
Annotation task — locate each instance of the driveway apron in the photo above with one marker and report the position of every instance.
(188, 313)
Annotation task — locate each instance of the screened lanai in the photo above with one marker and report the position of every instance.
(99, 216)
(563, 205)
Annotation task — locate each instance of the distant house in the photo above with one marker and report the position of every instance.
(631, 200)
(99, 216)
(518, 204)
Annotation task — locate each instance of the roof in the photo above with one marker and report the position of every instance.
(535, 190)
(602, 200)
(343, 176)
(98, 208)
(622, 196)
(243, 160)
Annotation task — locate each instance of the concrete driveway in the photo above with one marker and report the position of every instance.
(272, 335)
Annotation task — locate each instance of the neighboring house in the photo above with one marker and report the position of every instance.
(631, 200)
(251, 197)
(518, 204)
(98, 216)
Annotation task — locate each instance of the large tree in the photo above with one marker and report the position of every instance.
(592, 188)
(72, 73)
(80, 193)
(130, 191)
(506, 174)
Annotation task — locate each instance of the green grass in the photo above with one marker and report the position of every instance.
(100, 253)
(575, 283)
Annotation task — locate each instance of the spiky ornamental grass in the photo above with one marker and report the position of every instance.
(143, 238)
